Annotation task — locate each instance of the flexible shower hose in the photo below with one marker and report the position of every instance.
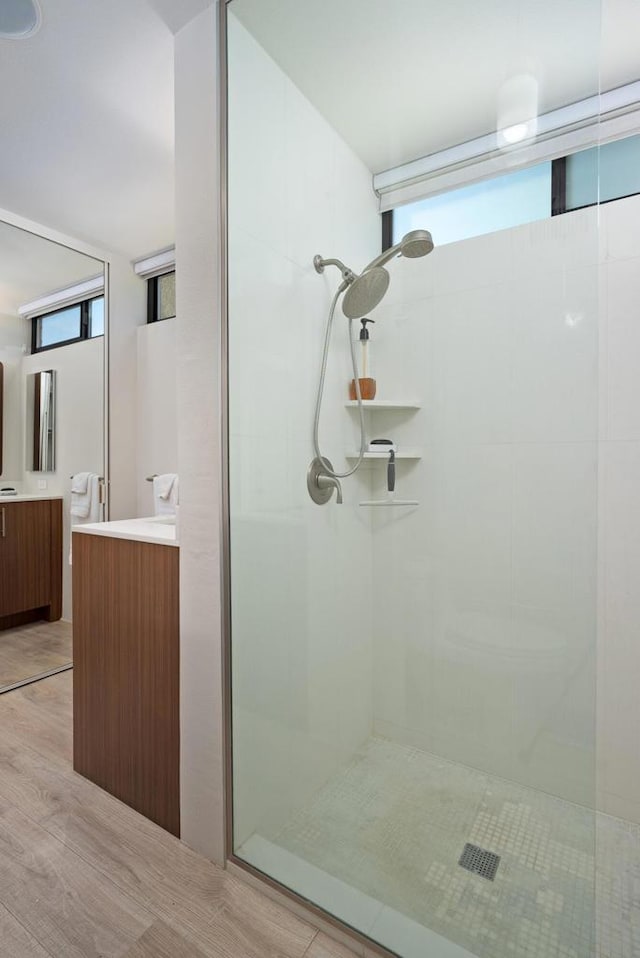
(354, 365)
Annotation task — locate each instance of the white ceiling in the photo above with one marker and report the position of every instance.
(86, 114)
(403, 79)
(31, 266)
(177, 13)
(87, 105)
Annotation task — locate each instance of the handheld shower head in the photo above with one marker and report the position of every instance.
(416, 243)
(412, 245)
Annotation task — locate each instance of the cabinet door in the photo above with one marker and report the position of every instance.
(25, 556)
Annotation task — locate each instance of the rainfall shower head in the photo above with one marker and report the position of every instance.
(364, 292)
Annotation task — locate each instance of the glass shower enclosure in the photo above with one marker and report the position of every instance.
(412, 669)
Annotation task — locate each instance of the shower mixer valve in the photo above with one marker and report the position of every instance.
(321, 483)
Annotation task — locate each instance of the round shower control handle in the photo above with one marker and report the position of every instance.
(321, 484)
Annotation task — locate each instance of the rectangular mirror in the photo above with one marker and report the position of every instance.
(41, 405)
(1, 412)
(53, 325)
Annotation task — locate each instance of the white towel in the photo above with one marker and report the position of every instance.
(85, 504)
(80, 482)
(165, 494)
(85, 507)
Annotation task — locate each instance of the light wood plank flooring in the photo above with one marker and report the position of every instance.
(33, 649)
(83, 876)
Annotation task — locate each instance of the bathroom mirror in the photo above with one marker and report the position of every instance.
(1, 411)
(52, 356)
(41, 403)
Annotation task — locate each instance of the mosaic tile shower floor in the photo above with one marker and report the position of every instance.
(394, 825)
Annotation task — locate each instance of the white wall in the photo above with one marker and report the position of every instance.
(619, 625)
(127, 311)
(301, 574)
(14, 337)
(486, 594)
(199, 438)
(79, 371)
(157, 430)
(525, 350)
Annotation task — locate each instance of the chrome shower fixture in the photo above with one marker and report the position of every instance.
(361, 294)
(365, 291)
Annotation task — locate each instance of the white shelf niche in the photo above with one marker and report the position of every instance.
(385, 404)
(404, 453)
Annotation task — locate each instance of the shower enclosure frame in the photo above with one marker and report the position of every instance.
(303, 907)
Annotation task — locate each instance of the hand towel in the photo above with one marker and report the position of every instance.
(80, 482)
(85, 507)
(165, 494)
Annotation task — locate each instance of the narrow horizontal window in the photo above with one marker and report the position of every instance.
(497, 204)
(71, 324)
(96, 317)
(161, 297)
(596, 175)
(63, 326)
(601, 174)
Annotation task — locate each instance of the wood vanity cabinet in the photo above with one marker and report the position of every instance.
(126, 659)
(30, 561)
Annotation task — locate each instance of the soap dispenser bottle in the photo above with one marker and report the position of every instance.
(367, 383)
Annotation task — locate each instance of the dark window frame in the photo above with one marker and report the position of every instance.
(153, 298)
(559, 186)
(387, 230)
(85, 325)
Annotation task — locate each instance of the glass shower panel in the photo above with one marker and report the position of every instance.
(413, 685)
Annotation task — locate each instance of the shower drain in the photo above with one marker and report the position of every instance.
(479, 861)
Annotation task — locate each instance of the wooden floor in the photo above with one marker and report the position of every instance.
(33, 649)
(83, 876)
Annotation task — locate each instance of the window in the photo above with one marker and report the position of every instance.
(71, 324)
(161, 297)
(596, 175)
(509, 200)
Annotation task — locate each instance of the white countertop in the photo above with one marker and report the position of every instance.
(155, 529)
(28, 497)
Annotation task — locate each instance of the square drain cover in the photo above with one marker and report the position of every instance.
(479, 861)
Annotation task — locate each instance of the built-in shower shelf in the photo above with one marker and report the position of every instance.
(385, 404)
(406, 453)
(390, 503)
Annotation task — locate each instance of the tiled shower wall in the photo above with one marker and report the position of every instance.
(499, 602)
(524, 349)
(301, 574)
(619, 567)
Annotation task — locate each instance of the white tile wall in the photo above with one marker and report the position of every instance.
(486, 595)
(301, 574)
(623, 347)
(619, 546)
(156, 406)
(481, 604)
